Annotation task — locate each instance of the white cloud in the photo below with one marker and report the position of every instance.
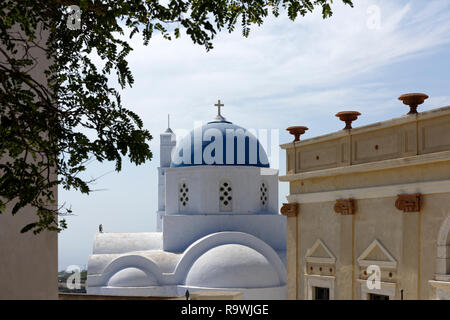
(285, 65)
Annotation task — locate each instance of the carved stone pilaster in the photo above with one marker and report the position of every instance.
(408, 202)
(344, 206)
(289, 209)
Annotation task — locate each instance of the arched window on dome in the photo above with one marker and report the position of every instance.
(263, 195)
(183, 196)
(225, 196)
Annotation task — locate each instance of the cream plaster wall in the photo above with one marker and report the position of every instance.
(374, 219)
(436, 209)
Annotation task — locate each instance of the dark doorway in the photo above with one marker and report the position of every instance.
(373, 296)
(321, 293)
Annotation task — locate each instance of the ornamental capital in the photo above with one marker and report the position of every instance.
(408, 202)
(289, 209)
(345, 206)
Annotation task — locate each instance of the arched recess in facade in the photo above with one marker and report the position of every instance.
(129, 261)
(443, 249)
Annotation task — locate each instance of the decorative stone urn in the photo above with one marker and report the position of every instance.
(297, 131)
(348, 117)
(413, 100)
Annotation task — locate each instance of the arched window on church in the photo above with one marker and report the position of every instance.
(263, 195)
(183, 196)
(225, 196)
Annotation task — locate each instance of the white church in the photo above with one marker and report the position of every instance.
(218, 226)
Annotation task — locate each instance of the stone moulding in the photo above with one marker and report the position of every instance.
(289, 209)
(408, 202)
(345, 206)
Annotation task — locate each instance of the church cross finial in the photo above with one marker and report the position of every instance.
(219, 117)
(219, 105)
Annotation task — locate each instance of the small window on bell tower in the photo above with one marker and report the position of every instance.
(263, 195)
(183, 196)
(225, 196)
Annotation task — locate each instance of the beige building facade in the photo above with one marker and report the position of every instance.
(371, 203)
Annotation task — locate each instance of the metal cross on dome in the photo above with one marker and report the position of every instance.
(219, 117)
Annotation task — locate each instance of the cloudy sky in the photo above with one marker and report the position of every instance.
(286, 73)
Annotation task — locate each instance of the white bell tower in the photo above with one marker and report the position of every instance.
(167, 143)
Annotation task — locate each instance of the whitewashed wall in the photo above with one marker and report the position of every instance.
(204, 184)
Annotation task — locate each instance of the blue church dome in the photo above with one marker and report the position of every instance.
(219, 143)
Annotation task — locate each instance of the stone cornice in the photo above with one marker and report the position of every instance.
(370, 166)
(427, 187)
